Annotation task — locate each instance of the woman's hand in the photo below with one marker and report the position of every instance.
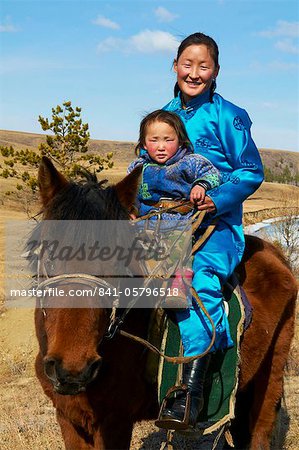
(207, 205)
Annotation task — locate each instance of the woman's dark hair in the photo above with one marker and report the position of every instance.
(199, 39)
(163, 116)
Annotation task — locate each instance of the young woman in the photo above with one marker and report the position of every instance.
(220, 131)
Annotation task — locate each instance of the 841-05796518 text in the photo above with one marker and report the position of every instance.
(97, 291)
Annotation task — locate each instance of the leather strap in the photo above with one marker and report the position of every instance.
(176, 206)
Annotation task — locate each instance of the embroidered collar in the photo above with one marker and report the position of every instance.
(195, 103)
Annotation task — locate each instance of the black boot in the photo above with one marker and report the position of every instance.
(182, 411)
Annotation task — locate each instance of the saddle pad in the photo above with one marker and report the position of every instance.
(222, 378)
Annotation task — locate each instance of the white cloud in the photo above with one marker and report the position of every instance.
(283, 66)
(7, 27)
(147, 41)
(269, 105)
(282, 28)
(110, 44)
(287, 46)
(106, 23)
(163, 15)
(274, 66)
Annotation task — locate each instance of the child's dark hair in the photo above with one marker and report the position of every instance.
(168, 117)
(199, 39)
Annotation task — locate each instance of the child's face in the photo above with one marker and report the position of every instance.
(195, 70)
(161, 141)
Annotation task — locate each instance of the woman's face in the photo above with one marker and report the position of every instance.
(195, 70)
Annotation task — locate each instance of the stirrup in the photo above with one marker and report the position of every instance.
(170, 423)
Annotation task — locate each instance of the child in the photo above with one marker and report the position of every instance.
(170, 168)
(171, 171)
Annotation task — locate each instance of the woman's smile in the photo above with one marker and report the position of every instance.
(193, 83)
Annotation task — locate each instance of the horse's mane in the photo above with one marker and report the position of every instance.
(84, 200)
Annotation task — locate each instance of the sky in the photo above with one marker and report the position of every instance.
(114, 60)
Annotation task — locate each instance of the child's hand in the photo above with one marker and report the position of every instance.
(197, 195)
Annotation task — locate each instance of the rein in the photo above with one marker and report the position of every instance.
(177, 359)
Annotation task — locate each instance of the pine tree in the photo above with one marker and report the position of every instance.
(67, 146)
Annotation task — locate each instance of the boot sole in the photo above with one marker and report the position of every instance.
(172, 424)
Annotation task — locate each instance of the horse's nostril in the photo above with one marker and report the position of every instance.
(50, 368)
(55, 371)
(93, 369)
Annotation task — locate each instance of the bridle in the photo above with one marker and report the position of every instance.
(85, 279)
(88, 281)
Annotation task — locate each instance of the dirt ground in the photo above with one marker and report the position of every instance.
(27, 419)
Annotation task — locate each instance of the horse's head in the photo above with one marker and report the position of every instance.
(70, 336)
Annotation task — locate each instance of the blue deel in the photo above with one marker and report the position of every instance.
(220, 131)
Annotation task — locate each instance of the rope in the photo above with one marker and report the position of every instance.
(177, 359)
(168, 444)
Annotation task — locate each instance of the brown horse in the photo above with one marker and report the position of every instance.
(98, 386)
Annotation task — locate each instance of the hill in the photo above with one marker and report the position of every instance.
(123, 152)
(268, 196)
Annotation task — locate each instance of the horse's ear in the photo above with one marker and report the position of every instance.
(50, 181)
(127, 188)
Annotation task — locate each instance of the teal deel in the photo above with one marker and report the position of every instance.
(220, 131)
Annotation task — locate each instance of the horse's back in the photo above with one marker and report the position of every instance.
(264, 272)
(272, 291)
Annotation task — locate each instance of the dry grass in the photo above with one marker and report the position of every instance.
(27, 420)
(290, 404)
